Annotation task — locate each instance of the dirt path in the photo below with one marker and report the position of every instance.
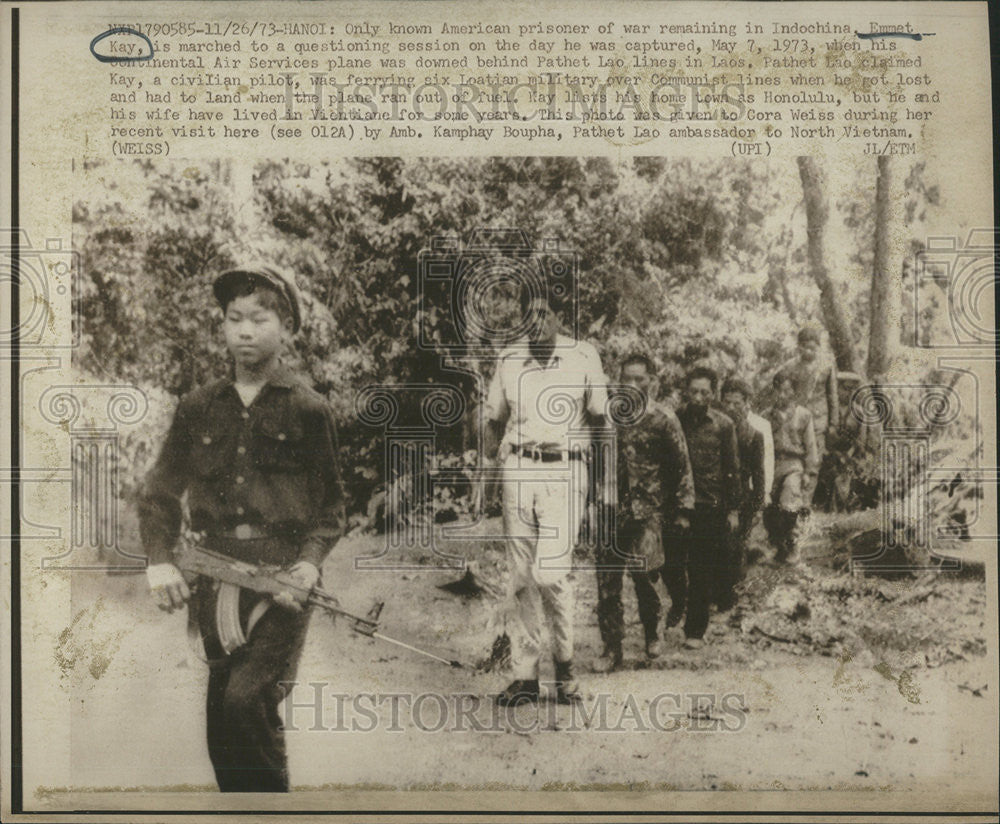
(733, 715)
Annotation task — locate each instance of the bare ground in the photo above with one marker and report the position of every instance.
(875, 686)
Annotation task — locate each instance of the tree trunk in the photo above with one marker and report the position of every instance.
(817, 214)
(886, 295)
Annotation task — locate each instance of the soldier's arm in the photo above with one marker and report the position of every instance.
(832, 400)
(605, 484)
(768, 459)
(159, 502)
(678, 468)
(809, 442)
(496, 411)
(730, 467)
(758, 477)
(330, 520)
(160, 514)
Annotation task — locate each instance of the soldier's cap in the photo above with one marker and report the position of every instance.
(282, 282)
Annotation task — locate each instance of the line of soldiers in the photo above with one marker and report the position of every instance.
(690, 486)
(683, 494)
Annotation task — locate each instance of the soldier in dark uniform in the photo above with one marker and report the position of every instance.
(753, 485)
(255, 454)
(693, 565)
(655, 489)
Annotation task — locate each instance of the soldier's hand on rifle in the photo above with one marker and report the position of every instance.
(303, 574)
(167, 585)
(682, 523)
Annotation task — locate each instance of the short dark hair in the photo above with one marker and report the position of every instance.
(267, 295)
(809, 332)
(780, 379)
(639, 357)
(735, 384)
(699, 372)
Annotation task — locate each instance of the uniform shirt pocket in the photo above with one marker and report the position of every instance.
(210, 452)
(278, 446)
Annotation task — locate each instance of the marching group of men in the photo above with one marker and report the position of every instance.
(676, 504)
(254, 455)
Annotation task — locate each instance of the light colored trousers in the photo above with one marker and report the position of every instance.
(543, 505)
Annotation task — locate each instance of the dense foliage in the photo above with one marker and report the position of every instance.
(682, 259)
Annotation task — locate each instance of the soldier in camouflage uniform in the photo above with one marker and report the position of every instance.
(655, 489)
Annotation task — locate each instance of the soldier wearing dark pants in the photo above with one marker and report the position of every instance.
(655, 487)
(255, 455)
(753, 483)
(693, 565)
(245, 743)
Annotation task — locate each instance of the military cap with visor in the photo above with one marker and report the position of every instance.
(280, 281)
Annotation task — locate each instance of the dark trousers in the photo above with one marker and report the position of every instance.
(611, 565)
(696, 565)
(724, 589)
(245, 742)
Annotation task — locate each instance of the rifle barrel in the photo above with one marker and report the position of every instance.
(450, 663)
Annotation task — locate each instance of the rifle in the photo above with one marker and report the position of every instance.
(234, 575)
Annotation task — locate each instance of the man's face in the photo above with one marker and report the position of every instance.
(808, 349)
(254, 333)
(637, 375)
(699, 393)
(785, 393)
(544, 323)
(735, 405)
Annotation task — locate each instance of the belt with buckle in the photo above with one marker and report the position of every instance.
(253, 545)
(243, 532)
(548, 455)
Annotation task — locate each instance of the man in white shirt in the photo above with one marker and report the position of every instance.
(547, 399)
(763, 425)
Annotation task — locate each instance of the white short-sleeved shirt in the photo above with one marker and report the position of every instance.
(546, 403)
(763, 425)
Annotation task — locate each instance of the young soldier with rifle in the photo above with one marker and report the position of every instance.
(255, 453)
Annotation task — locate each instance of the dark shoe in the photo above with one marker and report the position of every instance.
(609, 661)
(654, 649)
(520, 691)
(674, 617)
(567, 689)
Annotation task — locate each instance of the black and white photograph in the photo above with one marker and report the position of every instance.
(525, 473)
(447, 411)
